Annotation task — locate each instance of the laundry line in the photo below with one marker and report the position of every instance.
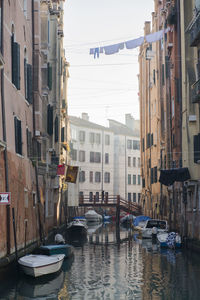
(130, 44)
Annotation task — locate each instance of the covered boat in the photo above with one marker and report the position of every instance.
(93, 216)
(39, 265)
(65, 249)
(76, 228)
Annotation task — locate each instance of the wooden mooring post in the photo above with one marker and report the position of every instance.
(118, 211)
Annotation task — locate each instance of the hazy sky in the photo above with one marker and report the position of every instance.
(105, 88)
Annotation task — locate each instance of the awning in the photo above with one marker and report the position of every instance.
(168, 177)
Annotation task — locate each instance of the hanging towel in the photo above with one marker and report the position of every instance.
(101, 50)
(112, 49)
(154, 37)
(134, 43)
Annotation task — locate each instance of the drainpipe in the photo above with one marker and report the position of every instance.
(41, 231)
(5, 139)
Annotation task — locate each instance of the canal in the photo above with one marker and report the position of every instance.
(112, 265)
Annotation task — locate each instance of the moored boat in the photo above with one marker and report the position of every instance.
(39, 265)
(65, 249)
(153, 225)
(169, 240)
(76, 228)
(93, 216)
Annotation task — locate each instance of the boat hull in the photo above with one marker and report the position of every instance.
(40, 265)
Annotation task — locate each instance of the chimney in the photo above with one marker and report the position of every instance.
(85, 116)
(129, 121)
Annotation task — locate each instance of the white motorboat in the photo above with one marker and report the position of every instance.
(93, 216)
(39, 265)
(152, 226)
(169, 240)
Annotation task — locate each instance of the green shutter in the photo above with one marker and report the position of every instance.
(56, 129)
(50, 119)
(19, 136)
(62, 134)
(49, 74)
(16, 65)
(15, 125)
(30, 83)
(25, 80)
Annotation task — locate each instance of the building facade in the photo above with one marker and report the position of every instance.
(30, 133)
(108, 159)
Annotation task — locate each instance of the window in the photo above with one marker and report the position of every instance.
(134, 197)
(138, 162)
(129, 179)
(97, 176)
(139, 196)
(50, 119)
(95, 157)
(81, 195)
(82, 136)
(129, 144)
(56, 129)
(25, 8)
(15, 60)
(91, 176)
(97, 196)
(138, 179)
(107, 139)
(81, 156)
(62, 134)
(18, 135)
(129, 196)
(136, 145)
(34, 199)
(106, 158)
(92, 137)
(134, 161)
(74, 134)
(129, 161)
(82, 176)
(98, 138)
(74, 154)
(134, 179)
(91, 196)
(107, 177)
(29, 143)
(49, 76)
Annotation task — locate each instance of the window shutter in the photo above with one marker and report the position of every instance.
(30, 83)
(25, 80)
(56, 129)
(19, 137)
(50, 119)
(196, 148)
(15, 125)
(62, 134)
(16, 65)
(49, 70)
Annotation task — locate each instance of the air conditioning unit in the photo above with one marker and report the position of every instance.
(51, 149)
(192, 118)
(168, 3)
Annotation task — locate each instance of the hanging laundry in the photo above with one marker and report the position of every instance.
(91, 51)
(112, 49)
(96, 52)
(154, 37)
(134, 43)
(101, 50)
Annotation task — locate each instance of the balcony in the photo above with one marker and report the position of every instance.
(196, 92)
(195, 32)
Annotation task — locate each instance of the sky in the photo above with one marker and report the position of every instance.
(105, 87)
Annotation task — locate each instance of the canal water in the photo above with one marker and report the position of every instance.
(115, 265)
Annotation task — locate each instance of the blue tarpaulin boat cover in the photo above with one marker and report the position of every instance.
(140, 219)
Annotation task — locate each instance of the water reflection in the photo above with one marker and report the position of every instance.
(112, 264)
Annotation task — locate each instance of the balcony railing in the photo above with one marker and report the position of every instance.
(196, 92)
(195, 32)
